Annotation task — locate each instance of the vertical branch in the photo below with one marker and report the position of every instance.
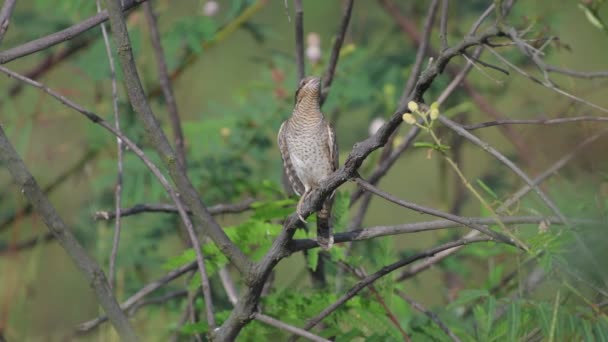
(299, 23)
(328, 77)
(165, 84)
(5, 16)
(119, 155)
(443, 25)
(204, 221)
(62, 233)
(422, 49)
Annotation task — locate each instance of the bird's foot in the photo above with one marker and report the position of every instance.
(325, 243)
(299, 208)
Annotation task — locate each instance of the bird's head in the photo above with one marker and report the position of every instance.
(309, 88)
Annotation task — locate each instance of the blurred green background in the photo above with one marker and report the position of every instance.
(232, 99)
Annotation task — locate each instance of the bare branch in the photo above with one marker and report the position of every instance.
(421, 209)
(165, 84)
(140, 295)
(384, 271)
(5, 16)
(204, 220)
(579, 74)
(430, 314)
(423, 47)
(52, 39)
(505, 206)
(328, 77)
(299, 31)
(217, 209)
(119, 153)
(504, 160)
(88, 267)
(407, 228)
(153, 168)
(481, 19)
(49, 188)
(289, 328)
(555, 121)
(443, 25)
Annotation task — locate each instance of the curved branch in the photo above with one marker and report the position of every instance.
(555, 121)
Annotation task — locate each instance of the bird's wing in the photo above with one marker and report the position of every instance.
(332, 144)
(290, 172)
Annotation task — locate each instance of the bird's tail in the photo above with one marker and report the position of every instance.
(325, 237)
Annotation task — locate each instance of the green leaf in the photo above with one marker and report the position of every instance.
(486, 188)
(514, 319)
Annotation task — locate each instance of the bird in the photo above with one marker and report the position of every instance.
(309, 150)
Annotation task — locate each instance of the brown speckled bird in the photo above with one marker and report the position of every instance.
(308, 147)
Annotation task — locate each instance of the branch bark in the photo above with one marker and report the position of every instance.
(87, 266)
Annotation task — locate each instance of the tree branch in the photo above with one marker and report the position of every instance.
(204, 220)
(88, 267)
(165, 84)
(328, 77)
(5, 16)
(384, 271)
(217, 209)
(421, 209)
(407, 228)
(52, 39)
(119, 153)
(555, 121)
(299, 32)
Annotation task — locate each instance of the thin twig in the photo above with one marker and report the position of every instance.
(151, 166)
(165, 84)
(140, 295)
(5, 16)
(299, 32)
(205, 223)
(88, 267)
(328, 77)
(481, 19)
(430, 314)
(555, 121)
(52, 39)
(119, 154)
(289, 328)
(408, 228)
(443, 24)
(218, 209)
(421, 53)
(384, 271)
(49, 188)
(421, 209)
(412, 271)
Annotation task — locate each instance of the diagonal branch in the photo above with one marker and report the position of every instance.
(384, 271)
(165, 84)
(204, 221)
(421, 209)
(88, 267)
(328, 77)
(52, 39)
(5, 16)
(153, 168)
